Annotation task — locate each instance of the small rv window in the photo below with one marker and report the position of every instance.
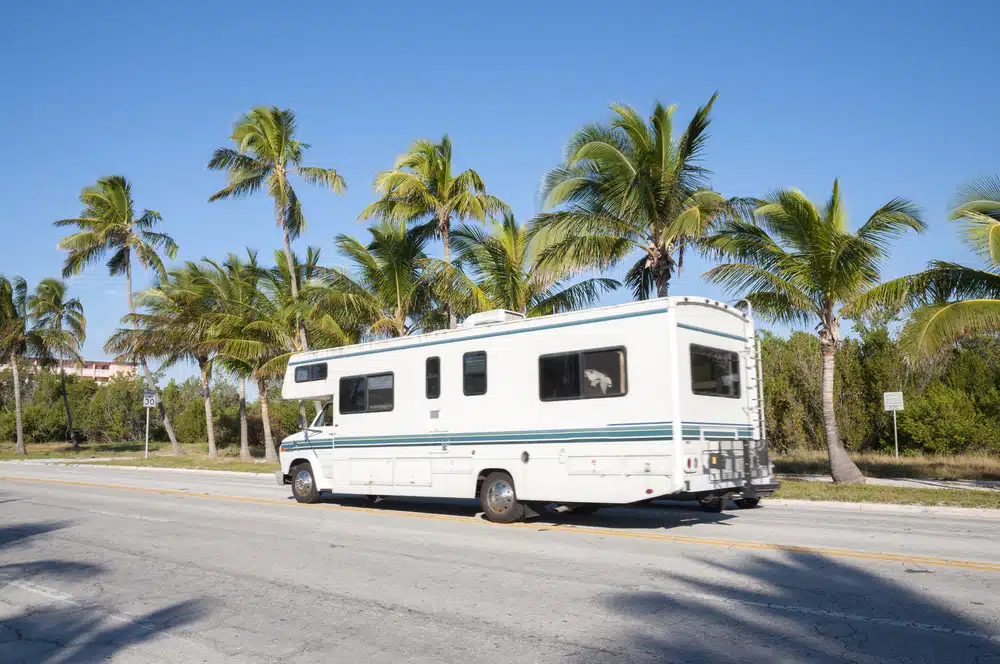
(715, 372)
(352, 394)
(582, 375)
(433, 379)
(310, 372)
(380, 393)
(474, 373)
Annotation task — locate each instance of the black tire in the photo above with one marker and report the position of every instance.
(747, 503)
(586, 508)
(499, 500)
(712, 504)
(304, 483)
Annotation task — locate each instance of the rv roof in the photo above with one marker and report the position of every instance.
(460, 332)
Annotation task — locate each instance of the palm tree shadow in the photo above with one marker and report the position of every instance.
(55, 627)
(799, 607)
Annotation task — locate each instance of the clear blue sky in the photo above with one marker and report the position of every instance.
(895, 98)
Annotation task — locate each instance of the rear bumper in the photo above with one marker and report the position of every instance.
(756, 490)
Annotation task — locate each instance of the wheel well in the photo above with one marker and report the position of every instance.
(484, 473)
(297, 462)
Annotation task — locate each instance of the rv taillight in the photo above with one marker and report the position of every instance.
(649, 491)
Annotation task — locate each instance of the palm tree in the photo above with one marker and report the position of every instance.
(108, 224)
(266, 154)
(174, 326)
(496, 271)
(63, 328)
(422, 186)
(950, 301)
(385, 290)
(797, 263)
(17, 341)
(629, 186)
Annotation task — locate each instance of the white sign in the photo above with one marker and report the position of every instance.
(148, 398)
(892, 401)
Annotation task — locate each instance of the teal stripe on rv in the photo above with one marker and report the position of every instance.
(695, 328)
(484, 335)
(606, 434)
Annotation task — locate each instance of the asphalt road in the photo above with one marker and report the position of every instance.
(144, 566)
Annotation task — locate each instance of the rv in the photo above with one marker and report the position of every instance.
(659, 399)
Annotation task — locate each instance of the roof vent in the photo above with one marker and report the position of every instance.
(492, 318)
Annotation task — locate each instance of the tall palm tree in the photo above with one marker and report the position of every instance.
(385, 290)
(267, 153)
(236, 292)
(63, 328)
(630, 186)
(18, 341)
(496, 271)
(175, 325)
(422, 187)
(797, 263)
(108, 224)
(950, 301)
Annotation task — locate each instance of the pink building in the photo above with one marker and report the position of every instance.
(101, 370)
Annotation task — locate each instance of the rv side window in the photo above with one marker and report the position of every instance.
(325, 417)
(715, 372)
(310, 372)
(380, 393)
(474, 373)
(582, 375)
(433, 379)
(352, 394)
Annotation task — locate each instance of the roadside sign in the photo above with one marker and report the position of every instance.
(892, 401)
(149, 398)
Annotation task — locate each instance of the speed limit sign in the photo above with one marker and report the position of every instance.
(148, 398)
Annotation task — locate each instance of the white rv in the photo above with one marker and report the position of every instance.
(608, 406)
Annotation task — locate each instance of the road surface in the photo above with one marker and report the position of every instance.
(145, 566)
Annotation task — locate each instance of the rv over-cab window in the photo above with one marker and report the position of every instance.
(310, 372)
(715, 372)
(585, 374)
(367, 394)
(433, 378)
(474, 373)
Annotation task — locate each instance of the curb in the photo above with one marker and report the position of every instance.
(193, 471)
(838, 506)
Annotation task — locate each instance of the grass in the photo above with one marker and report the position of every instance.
(87, 450)
(954, 467)
(803, 490)
(199, 461)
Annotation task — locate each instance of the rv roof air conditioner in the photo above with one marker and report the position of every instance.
(492, 317)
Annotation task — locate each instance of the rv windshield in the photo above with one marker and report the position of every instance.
(325, 416)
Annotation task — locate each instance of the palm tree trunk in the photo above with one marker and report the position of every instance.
(69, 415)
(18, 421)
(445, 229)
(176, 447)
(207, 396)
(662, 286)
(294, 281)
(244, 440)
(270, 455)
(842, 469)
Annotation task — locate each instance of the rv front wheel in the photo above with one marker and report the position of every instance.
(498, 499)
(304, 483)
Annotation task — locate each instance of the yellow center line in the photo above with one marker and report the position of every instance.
(580, 530)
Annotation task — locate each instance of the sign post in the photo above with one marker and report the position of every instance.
(893, 401)
(148, 401)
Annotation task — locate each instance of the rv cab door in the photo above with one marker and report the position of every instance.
(323, 430)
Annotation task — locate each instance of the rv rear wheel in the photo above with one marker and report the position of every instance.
(747, 503)
(304, 483)
(498, 499)
(714, 504)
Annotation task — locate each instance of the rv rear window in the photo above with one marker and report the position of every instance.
(715, 372)
(474, 373)
(585, 374)
(367, 394)
(310, 372)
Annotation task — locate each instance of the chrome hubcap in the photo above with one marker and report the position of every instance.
(500, 496)
(303, 482)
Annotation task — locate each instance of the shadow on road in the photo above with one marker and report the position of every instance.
(39, 623)
(797, 608)
(626, 517)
